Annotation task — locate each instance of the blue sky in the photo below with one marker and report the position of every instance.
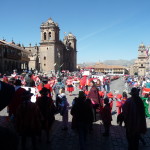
(105, 29)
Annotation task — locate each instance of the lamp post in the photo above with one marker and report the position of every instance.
(59, 64)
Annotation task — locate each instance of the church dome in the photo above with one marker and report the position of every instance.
(71, 36)
(49, 23)
(141, 45)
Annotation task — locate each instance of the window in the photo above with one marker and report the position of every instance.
(44, 58)
(141, 65)
(49, 35)
(44, 64)
(44, 35)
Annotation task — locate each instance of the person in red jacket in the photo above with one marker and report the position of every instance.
(119, 103)
(110, 96)
(106, 116)
(45, 84)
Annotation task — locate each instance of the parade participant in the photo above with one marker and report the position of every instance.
(45, 84)
(119, 103)
(37, 80)
(51, 82)
(106, 116)
(64, 110)
(124, 98)
(47, 109)
(101, 94)
(76, 83)
(87, 84)
(28, 120)
(110, 96)
(146, 105)
(17, 98)
(29, 81)
(5, 78)
(11, 81)
(98, 84)
(82, 83)
(14, 75)
(70, 88)
(95, 98)
(107, 84)
(56, 88)
(147, 85)
(143, 83)
(134, 118)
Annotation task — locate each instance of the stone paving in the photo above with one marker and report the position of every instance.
(68, 140)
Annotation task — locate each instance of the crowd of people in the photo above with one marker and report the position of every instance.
(94, 101)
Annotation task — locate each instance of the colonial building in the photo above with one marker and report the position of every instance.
(110, 69)
(141, 65)
(12, 57)
(107, 69)
(53, 54)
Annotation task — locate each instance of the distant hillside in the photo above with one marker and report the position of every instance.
(120, 62)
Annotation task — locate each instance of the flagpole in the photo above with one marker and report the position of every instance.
(148, 61)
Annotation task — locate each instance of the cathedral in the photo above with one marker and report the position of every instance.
(53, 54)
(141, 65)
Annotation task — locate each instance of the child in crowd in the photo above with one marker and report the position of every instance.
(64, 110)
(106, 116)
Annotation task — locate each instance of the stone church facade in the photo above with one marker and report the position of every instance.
(141, 64)
(53, 54)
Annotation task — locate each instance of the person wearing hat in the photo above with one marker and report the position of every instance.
(28, 120)
(47, 109)
(134, 118)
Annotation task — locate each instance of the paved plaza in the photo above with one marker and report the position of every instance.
(68, 140)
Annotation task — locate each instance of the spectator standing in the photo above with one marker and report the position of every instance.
(134, 117)
(47, 109)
